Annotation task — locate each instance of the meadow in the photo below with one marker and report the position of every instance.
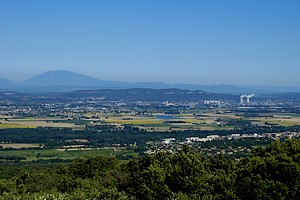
(29, 155)
(286, 119)
(27, 122)
(170, 122)
(155, 122)
(27, 152)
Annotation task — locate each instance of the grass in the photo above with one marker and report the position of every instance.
(178, 127)
(287, 123)
(19, 145)
(33, 123)
(15, 125)
(49, 154)
(154, 124)
(137, 121)
(72, 121)
(279, 121)
(287, 114)
(147, 123)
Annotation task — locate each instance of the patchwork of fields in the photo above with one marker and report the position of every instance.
(156, 122)
(209, 121)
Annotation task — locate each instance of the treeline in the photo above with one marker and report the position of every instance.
(108, 135)
(271, 172)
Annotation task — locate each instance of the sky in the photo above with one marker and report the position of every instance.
(240, 42)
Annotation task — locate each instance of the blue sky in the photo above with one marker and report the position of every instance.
(241, 42)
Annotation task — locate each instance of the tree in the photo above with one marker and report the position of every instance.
(270, 173)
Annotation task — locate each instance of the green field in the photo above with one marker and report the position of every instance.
(155, 124)
(14, 125)
(51, 154)
(29, 122)
(282, 120)
(201, 121)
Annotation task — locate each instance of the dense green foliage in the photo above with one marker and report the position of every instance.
(271, 172)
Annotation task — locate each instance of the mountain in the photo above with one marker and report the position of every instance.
(151, 85)
(62, 78)
(288, 96)
(6, 85)
(66, 81)
(277, 89)
(6, 82)
(221, 88)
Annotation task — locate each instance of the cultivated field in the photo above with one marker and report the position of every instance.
(38, 122)
(155, 122)
(279, 118)
(19, 145)
(167, 122)
(51, 154)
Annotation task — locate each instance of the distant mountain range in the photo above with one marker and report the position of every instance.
(61, 78)
(66, 81)
(7, 85)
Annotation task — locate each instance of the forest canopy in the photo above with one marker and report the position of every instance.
(271, 172)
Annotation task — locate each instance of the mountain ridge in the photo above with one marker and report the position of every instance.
(62, 78)
(4, 81)
(67, 81)
(7, 85)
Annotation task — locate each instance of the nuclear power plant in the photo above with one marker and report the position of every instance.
(245, 99)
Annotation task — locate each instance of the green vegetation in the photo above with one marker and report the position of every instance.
(271, 172)
(103, 136)
(14, 125)
(62, 154)
(199, 119)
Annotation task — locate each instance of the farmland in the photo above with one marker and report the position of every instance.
(66, 126)
(158, 122)
(18, 122)
(154, 122)
(62, 154)
(48, 140)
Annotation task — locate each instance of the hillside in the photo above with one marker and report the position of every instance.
(63, 78)
(7, 85)
(6, 82)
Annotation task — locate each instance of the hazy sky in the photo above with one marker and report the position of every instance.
(247, 42)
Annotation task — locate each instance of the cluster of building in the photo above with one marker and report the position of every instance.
(172, 145)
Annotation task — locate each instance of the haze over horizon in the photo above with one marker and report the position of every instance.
(198, 42)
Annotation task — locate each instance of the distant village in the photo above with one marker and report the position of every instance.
(172, 145)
